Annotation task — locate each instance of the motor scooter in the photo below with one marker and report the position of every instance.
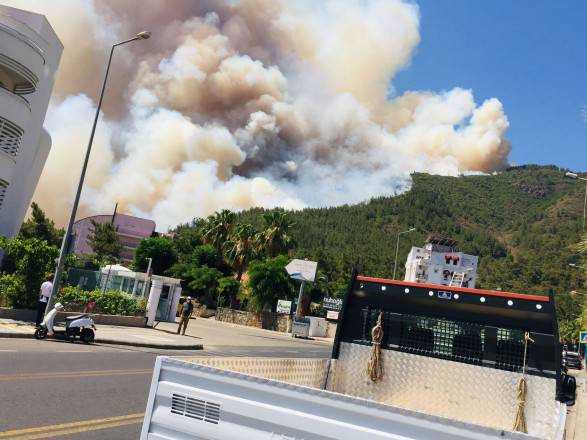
(78, 326)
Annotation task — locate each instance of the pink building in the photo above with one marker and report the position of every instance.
(131, 230)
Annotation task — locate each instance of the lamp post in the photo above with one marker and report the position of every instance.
(66, 238)
(577, 177)
(397, 248)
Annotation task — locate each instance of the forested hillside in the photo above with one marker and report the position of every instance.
(523, 223)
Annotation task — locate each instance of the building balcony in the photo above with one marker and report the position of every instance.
(20, 55)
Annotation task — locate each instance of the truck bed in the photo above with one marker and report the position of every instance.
(190, 400)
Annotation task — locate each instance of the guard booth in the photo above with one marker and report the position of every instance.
(453, 352)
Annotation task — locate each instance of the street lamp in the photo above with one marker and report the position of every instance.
(577, 177)
(397, 248)
(144, 35)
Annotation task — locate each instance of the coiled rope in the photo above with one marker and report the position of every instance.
(375, 365)
(520, 421)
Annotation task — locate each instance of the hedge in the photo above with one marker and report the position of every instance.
(112, 302)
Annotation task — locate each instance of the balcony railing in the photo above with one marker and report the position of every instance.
(10, 138)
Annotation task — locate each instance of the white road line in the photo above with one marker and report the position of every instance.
(9, 351)
(74, 351)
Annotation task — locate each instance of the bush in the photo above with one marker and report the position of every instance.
(12, 288)
(112, 302)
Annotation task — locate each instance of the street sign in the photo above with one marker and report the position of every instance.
(331, 314)
(284, 306)
(334, 304)
(302, 270)
(583, 337)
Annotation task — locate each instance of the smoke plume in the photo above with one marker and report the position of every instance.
(234, 104)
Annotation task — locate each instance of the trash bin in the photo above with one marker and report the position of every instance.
(300, 328)
(318, 327)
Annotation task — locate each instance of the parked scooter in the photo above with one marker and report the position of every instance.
(78, 326)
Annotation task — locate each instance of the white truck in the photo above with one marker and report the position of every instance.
(410, 361)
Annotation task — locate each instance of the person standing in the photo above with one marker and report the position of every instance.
(44, 296)
(184, 317)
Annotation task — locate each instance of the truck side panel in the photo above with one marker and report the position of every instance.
(190, 401)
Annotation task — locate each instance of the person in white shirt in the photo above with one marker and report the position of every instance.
(44, 295)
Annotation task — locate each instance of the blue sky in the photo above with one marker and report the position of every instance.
(531, 55)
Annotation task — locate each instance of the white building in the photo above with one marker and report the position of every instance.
(29, 56)
(162, 293)
(438, 263)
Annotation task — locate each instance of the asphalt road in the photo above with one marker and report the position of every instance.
(69, 391)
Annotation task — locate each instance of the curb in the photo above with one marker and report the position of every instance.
(19, 335)
(114, 342)
(149, 345)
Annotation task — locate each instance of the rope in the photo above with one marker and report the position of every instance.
(375, 365)
(520, 421)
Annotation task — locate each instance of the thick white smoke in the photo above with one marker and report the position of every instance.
(234, 104)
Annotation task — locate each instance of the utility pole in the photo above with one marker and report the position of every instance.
(300, 296)
(397, 249)
(68, 232)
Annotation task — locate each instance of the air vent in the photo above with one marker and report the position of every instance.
(10, 137)
(195, 408)
(3, 188)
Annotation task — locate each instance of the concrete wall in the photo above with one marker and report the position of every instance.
(265, 320)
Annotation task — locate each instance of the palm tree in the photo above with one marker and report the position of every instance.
(217, 229)
(275, 237)
(240, 249)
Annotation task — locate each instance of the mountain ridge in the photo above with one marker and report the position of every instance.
(523, 223)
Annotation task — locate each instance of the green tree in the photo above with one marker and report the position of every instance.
(41, 227)
(33, 259)
(269, 282)
(160, 249)
(186, 237)
(104, 241)
(12, 289)
(240, 249)
(228, 289)
(275, 238)
(203, 284)
(569, 311)
(217, 229)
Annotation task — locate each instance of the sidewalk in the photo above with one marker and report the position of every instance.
(577, 415)
(110, 334)
(217, 333)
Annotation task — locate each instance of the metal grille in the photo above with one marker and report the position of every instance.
(3, 188)
(447, 339)
(195, 408)
(10, 137)
(509, 354)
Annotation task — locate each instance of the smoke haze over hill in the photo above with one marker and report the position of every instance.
(234, 104)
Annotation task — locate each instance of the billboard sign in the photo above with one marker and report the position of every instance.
(334, 304)
(331, 314)
(284, 306)
(302, 270)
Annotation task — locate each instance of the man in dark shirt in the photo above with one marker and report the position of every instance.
(184, 316)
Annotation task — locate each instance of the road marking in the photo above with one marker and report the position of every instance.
(69, 374)
(62, 429)
(8, 351)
